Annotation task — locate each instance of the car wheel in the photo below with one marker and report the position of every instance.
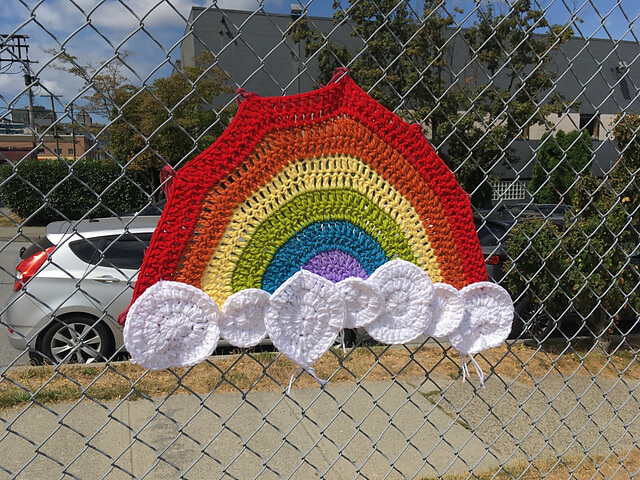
(537, 322)
(75, 339)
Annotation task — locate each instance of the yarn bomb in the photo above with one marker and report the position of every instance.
(407, 291)
(329, 181)
(487, 318)
(312, 213)
(242, 317)
(305, 316)
(171, 325)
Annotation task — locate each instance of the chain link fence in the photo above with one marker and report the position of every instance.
(532, 104)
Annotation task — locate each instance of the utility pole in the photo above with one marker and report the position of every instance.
(17, 47)
(54, 122)
(28, 82)
(73, 132)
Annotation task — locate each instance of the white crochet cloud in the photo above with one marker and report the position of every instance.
(242, 318)
(174, 324)
(305, 316)
(407, 292)
(487, 318)
(171, 324)
(363, 301)
(447, 308)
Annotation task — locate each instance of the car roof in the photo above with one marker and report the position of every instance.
(97, 227)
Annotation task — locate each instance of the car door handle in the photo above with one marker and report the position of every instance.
(106, 279)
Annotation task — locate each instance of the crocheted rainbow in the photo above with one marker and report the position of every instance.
(329, 181)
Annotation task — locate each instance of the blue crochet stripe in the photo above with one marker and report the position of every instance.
(321, 237)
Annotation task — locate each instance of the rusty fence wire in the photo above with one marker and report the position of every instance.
(533, 104)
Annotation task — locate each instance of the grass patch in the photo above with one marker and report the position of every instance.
(614, 467)
(269, 371)
(9, 219)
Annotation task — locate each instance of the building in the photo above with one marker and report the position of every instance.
(14, 147)
(16, 138)
(257, 53)
(42, 117)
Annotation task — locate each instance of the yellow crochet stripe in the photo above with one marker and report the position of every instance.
(324, 173)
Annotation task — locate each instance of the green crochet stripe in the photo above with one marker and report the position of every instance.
(312, 207)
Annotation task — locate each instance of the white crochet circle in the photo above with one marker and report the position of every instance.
(407, 292)
(171, 324)
(363, 302)
(487, 318)
(447, 309)
(242, 317)
(305, 316)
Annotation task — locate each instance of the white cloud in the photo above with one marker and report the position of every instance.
(112, 14)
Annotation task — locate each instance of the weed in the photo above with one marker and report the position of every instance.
(90, 371)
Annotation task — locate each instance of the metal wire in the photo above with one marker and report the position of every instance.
(560, 399)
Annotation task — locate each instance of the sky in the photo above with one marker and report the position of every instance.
(96, 30)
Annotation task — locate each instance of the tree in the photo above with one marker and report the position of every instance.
(590, 271)
(509, 93)
(405, 61)
(164, 123)
(560, 161)
(401, 60)
(104, 80)
(169, 121)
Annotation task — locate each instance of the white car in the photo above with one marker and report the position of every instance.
(71, 286)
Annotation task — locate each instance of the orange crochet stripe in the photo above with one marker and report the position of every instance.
(278, 149)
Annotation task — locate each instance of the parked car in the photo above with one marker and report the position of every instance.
(71, 285)
(530, 317)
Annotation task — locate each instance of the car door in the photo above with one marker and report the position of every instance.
(114, 265)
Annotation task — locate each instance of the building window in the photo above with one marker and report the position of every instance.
(58, 151)
(41, 151)
(591, 123)
(508, 190)
(70, 152)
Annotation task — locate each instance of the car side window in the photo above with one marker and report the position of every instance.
(124, 251)
(87, 249)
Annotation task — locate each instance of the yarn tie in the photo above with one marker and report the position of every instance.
(310, 371)
(465, 369)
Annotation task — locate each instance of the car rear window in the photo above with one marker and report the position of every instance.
(124, 251)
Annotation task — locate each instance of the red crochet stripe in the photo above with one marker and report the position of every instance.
(259, 115)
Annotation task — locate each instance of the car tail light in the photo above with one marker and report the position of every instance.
(29, 266)
(495, 259)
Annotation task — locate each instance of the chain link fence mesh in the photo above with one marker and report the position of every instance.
(533, 105)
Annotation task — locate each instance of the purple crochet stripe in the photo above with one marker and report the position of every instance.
(335, 265)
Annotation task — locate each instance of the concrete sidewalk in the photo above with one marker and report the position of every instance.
(411, 429)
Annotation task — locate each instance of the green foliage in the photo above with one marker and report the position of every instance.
(537, 264)
(560, 160)
(169, 121)
(586, 263)
(626, 129)
(45, 190)
(491, 112)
